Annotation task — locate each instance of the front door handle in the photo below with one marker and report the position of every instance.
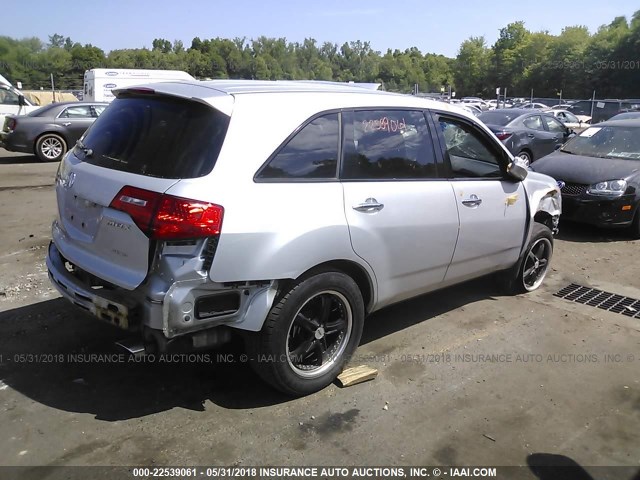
(369, 205)
(472, 201)
(531, 135)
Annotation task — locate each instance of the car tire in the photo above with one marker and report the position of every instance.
(295, 352)
(529, 273)
(50, 147)
(526, 157)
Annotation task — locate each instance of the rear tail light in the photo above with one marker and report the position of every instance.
(165, 217)
(503, 135)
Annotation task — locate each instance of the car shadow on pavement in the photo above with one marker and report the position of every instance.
(546, 466)
(582, 233)
(9, 158)
(420, 309)
(61, 357)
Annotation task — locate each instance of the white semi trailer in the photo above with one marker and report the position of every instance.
(99, 82)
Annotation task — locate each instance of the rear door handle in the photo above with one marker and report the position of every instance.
(369, 205)
(66, 124)
(472, 201)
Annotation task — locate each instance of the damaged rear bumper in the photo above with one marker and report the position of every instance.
(186, 306)
(105, 305)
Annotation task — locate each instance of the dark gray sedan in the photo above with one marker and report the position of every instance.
(528, 134)
(51, 130)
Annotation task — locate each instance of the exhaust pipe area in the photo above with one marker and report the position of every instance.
(133, 346)
(153, 342)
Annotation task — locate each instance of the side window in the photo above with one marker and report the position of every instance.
(387, 144)
(98, 109)
(469, 151)
(81, 111)
(571, 118)
(554, 125)
(534, 122)
(8, 98)
(311, 154)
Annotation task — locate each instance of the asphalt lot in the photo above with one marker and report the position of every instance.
(469, 377)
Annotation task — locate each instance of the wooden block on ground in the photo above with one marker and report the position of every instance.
(355, 375)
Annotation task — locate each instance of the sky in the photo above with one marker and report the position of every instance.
(433, 27)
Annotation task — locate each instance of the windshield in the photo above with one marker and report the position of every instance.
(156, 136)
(606, 142)
(497, 118)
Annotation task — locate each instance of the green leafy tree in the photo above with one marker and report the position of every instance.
(472, 67)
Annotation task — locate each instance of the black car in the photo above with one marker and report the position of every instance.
(49, 131)
(528, 134)
(599, 110)
(599, 175)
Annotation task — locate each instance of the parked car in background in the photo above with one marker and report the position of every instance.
(602, 109)
(156, 234)
(528, 134)
(561, 106)
(470, 108)
(626, 115)
(529, 105)
(571, 121)
(50, 130)
(476, 101)
(599, 175)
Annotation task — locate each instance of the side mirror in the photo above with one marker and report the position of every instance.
(21, 101)
(517, 171)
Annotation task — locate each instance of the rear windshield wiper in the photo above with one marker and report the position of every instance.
(87, 151)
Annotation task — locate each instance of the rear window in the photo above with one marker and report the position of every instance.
(42, 111)
(156, 136)
(497, 118)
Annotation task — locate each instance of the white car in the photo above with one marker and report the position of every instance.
(577, 123)
(536, 105)
(477, 102)
(286, 212)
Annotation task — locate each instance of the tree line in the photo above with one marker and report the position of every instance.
(576, 61)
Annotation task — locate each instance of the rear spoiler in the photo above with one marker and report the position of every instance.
(221, 101)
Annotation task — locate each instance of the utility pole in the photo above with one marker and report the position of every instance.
(53, 89)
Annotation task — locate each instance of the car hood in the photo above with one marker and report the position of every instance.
(585, 170)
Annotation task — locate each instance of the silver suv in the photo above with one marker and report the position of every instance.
(288, 212)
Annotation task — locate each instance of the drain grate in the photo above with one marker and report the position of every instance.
(593, 297)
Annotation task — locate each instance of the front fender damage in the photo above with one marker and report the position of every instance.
(545, 200)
